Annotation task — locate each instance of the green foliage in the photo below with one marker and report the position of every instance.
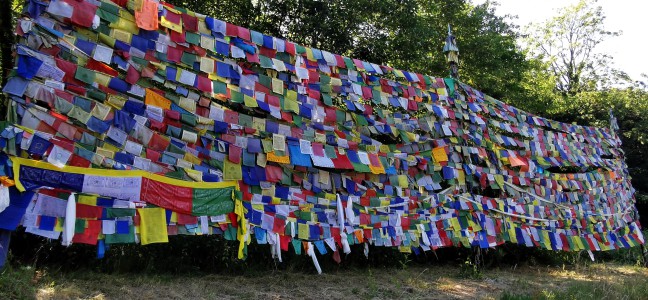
(512, 296)
(16, 282)
(537, 87)
(9, 13)
(470, 270)
(489, 57)
(602, 290)
(568, 41)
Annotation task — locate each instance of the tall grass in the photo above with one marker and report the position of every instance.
(18, 282)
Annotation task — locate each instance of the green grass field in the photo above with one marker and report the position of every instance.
(594, 281)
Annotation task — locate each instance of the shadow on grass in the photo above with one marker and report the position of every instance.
(597, 281)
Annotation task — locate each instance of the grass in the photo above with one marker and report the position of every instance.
(18, 283)
(594, 281)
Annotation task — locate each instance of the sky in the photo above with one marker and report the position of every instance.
(629, 16)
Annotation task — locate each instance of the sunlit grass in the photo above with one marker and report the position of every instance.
(593, 281)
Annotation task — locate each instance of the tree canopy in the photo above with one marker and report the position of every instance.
(568, 42)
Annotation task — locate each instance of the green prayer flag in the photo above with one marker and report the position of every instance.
(212, 202)
(192, 38)
(188, 58)
(126, 238)
(119, 212)
(85, 75)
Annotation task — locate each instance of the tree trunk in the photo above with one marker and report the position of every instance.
(6, 55)
(7, 38)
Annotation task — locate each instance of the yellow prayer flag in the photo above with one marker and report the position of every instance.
(499, 179)
(277, 86)
(455, 224)
(121, 35)
(292, 95)
(461, 177)
(58, 226)
(125, 25)
(101, 111)
(125, 14)
(512, 235)
(291, 105)
(207, 65)
(309, 54)
(231, 171)
(577, 241)
(545, 238)
(194, 174)
(87, 199)
(116, 101)
(302, 231)
(102, 79)
(202, 27)
(105, 152)
(192, 158)
(173, 26)
(279, 159)
(439, 154)
(377, 169)
(258, 124)
(250, 101)
(153, 227)
(411, 136)
(188, 104)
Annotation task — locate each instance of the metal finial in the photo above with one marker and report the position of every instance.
(452, 53)
(614, 126)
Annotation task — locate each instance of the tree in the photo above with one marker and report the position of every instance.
(5, 33)
(9, 13)
(490, 59)
(586, 87)
(568, 43)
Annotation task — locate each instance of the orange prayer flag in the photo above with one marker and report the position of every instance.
(155, 99)
(516, 162)
(147, 17)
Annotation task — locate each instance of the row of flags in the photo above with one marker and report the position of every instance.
(193, 125)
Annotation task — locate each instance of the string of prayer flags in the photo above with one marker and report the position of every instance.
(151, 120)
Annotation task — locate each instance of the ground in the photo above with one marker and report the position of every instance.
(595, 281)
